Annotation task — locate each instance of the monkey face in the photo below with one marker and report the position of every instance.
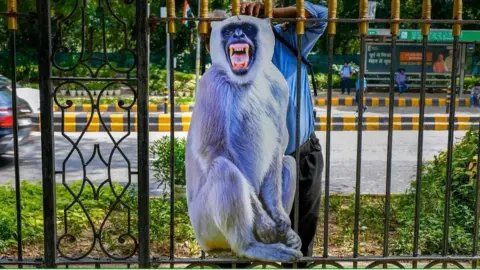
(241, 46)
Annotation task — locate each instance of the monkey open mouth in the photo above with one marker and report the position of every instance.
(240, 56)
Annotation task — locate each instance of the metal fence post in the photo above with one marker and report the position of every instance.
(363, 30)
(332, 30)
(456, 29)
(143, 54)
(46, 109)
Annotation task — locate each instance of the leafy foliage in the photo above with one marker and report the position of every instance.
(78, 224)
(462, 204)
(160, 149)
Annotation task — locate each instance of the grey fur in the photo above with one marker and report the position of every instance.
(240, 186)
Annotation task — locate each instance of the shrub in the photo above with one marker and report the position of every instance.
(322, 81)
(462, 205)
(79, 225)
(160, 149)
(469, 82)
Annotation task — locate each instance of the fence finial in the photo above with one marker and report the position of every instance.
(203, 26)
(332, 14)
(395, 25)
(268, 8)
(457, 15)
(235, 7)
(300, 15)
(171, 14)
(363, 14)
(426, 15)
(12, 20)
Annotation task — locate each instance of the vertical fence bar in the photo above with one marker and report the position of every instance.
(394, 29)
(426, 15)
(171, 32)
(12, 20)
(203, 31)
(12, 26)
(47, 139)
(332, 29)
(363, 30)
(143, 137)
(235, 7)
(456, 29)
(300, 29)
(268, 9)
(203, 26)
(477, 203)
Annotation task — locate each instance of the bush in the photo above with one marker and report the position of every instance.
(322, 81)
(462, 205)
(79, 225)
(160, 149)
(469, 82)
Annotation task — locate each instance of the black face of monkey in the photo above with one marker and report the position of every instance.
(239, 42)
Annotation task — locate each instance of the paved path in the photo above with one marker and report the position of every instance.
(343, 158)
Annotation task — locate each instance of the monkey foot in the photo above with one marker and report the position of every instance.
(272, 252)
(293, 240)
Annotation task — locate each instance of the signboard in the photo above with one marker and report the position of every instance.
(435, 34)
(409, 57)
(379, 32)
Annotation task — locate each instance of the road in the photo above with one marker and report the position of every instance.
(383, 111)
(343, 158)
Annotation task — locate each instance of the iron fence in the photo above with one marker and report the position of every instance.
(55, 255)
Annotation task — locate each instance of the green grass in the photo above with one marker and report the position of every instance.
(341, 216)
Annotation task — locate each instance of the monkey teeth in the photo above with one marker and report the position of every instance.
(239, 55)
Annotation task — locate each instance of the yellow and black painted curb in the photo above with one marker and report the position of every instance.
(396, 126)
(348, 119)
(123, 122)
(115, 108)
(384, 101)
(319, 101)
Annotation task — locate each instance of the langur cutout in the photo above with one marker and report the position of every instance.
(240, 185)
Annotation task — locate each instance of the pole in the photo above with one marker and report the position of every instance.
(197, 54)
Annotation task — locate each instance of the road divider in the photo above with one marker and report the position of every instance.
(127, 122)
(385, 101)
(319, 101)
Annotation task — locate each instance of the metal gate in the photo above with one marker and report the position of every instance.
(53, 76)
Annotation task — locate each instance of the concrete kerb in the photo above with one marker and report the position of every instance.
(123, 122)
(319, 101)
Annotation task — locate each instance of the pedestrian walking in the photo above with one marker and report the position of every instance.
(357, 91)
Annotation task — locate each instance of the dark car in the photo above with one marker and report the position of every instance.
(25, 127)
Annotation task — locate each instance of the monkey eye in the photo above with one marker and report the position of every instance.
(228, 31)
(249, 29)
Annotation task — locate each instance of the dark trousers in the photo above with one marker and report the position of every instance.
(357, 97)
(345, 83)
(311, 169)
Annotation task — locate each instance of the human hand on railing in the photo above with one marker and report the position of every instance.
(252, 9)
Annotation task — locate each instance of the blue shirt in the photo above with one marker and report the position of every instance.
(400, 77)
(286, 62)
(346, 70)
(357, 84)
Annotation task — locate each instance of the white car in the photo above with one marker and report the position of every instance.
(30, 95)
